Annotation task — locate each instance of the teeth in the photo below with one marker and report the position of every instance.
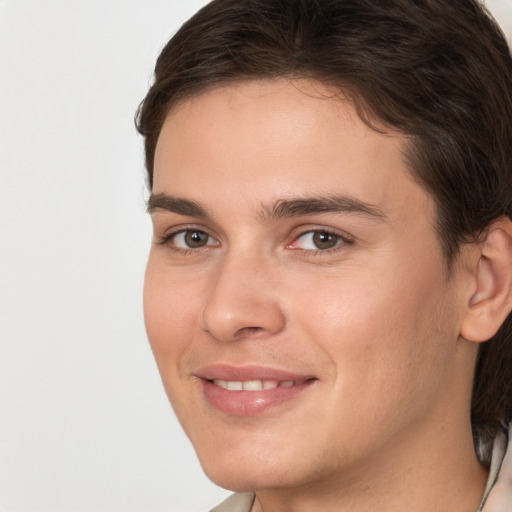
(254, 385)
(221, 383)
(270, 384)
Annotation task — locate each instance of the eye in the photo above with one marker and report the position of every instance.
(318, 240)
(191, 239)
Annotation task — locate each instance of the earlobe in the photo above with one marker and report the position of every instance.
(491, 300)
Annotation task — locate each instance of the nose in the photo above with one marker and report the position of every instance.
(243, 300)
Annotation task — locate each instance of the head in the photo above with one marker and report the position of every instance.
(436, 74)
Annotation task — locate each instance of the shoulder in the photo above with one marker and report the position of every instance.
(498, 496)
(241, 502)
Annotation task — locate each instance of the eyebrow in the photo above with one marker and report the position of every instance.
(317, 205)
(176, 205)
(283, 208)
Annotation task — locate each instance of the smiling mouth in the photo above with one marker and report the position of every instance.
(256, 385)
(255, 396)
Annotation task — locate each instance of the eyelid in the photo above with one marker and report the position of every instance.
(170, 235)
(182, 234)
(343, 240)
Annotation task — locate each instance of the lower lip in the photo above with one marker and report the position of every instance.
(250, 403)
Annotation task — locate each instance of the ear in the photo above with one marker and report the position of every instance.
(491, 298)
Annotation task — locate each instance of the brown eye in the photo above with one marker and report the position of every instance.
(325, 240)
(191, 239)
(319, 240)
(195, 239)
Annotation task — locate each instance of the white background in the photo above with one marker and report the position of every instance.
(84, 422)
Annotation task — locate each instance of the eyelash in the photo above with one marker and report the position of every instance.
(341, 241)
(167, 240)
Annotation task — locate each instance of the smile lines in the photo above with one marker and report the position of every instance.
(255, 385)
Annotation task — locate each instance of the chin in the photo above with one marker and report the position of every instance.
(244, 474)
(235, 483)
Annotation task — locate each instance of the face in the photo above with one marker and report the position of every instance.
(296, 298)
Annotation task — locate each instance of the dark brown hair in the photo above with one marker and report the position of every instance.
(439, 71)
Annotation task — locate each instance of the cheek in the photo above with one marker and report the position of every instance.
(388, 333)
(170, 313)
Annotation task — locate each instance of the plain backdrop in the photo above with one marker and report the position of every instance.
(84, 422)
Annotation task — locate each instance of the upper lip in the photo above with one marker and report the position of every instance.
(235, 373)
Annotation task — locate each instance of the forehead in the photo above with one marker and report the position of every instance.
(267, 140)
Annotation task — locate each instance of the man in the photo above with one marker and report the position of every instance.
(329, 287)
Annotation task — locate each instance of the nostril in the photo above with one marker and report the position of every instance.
(248, 331)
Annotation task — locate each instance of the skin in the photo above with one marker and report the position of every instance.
(375, 318)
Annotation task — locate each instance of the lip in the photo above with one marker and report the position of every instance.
(250, 403)
(244, 373)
